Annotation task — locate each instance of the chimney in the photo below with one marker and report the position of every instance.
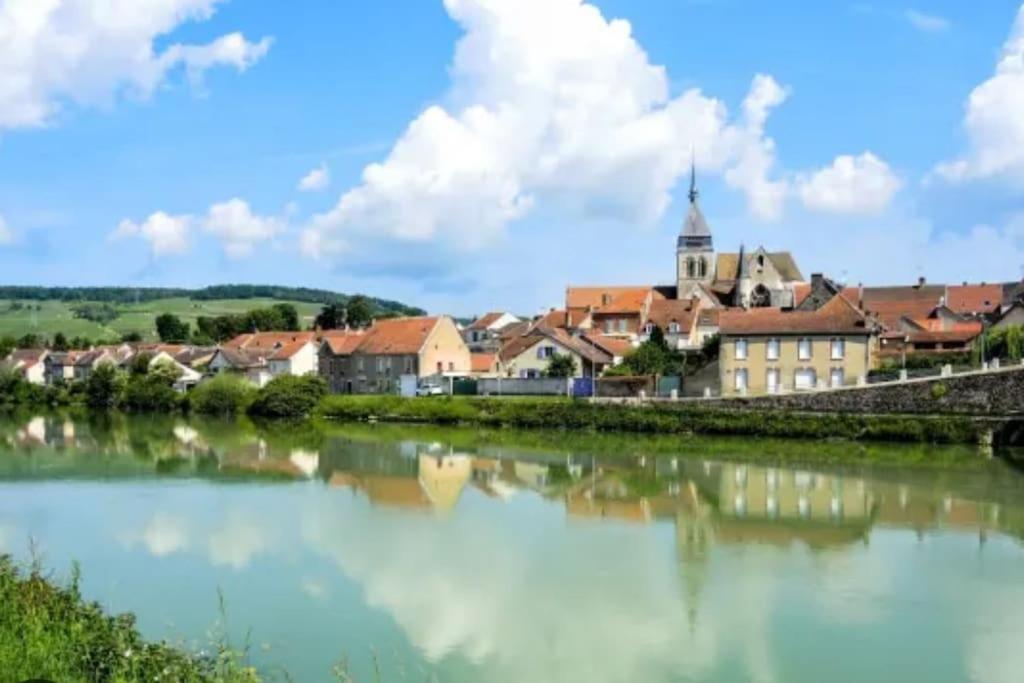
(816, 280)
(921, 282)
(860, 295)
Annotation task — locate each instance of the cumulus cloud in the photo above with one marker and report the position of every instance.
(994, 119)
(238, 228)
(850, 185)
(927, 23)
(550, 103)
(317, 179)
(6, 234)
(90, 51)
(166, 234)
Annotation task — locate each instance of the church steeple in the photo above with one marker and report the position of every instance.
(693, 181)
(695, 253)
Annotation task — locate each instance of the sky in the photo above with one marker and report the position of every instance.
(472, 155)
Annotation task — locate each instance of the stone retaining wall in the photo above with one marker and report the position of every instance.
(996, 393)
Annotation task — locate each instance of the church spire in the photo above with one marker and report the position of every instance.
(693, 178)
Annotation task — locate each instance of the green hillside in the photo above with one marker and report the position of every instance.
(46, 311)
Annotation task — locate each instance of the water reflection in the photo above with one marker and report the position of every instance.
(533, 557)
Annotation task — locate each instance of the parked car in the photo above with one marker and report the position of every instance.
(429, 390)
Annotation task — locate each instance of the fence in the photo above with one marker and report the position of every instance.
(518, 386)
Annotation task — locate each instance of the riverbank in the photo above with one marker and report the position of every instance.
(663, 418)
(48, 631)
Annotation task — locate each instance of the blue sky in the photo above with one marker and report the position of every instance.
(520, 145)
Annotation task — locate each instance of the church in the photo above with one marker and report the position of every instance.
(756, 279)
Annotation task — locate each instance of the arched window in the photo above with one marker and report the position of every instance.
(760, 297)
(702, 267)
(691, 268)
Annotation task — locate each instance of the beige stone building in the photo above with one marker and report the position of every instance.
(771, 350)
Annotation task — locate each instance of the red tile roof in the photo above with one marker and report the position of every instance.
(288, 350)
(342, 342)
(970, 299)
(610, 299)
(838, 316)
(666, 311)
(616, 346)
(485, 321)
(268, 341)
(482, 362)
(398, 336)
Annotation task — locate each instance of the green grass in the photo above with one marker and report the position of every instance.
(662, 418)
(56, 316)
(47, 631)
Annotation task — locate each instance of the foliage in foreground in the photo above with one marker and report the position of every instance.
(226, 394)
(48, 631)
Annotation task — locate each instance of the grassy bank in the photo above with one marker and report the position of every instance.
(663, 418)
(47, 631)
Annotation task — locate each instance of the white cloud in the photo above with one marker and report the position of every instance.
(550, 103)
(851, 185)
(234, 223)
(994, 119)
(165, 233)
(928, 23)
(90, 51)
(317, 179)
(6, 234)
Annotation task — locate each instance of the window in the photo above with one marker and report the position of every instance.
(451, 366)
(408, 365)
(359, 363)
(622, 324)
(673, 327)
(702, 267)
(691, 270)
(838, 349)
(609, 326)
(837, 377)
(773, 380)
(741, 349)
(544, 352)
(529, 373)
(741, 380)
(649, 328)
(805, 378)
(440, 367)
(772, 349)
(803, 349)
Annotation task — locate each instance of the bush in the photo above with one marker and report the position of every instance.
(152, 391)
(289, 396)
(225, 394)
(939, 390)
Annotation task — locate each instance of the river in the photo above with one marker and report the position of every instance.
(464, 555)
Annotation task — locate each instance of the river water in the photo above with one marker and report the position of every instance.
(435, 554)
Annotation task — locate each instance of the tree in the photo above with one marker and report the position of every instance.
(289, 317)
(139, 364)
(225, 394)
(331, 317)
(130, 337)
(7, 344)
(561, 365)
(171, 329)
(358, 312)
(30, 341)
(60, 342)
(104, 386)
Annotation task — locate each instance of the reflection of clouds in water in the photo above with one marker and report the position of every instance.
(996, 632)
(315, 588)
(165, 534)
(238, 540)
(854, 587)
(553, 603)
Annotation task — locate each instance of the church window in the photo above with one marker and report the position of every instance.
(760, 297)
(702, 267)
(691, 270)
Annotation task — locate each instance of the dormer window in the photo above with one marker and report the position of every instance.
(673, 327)
(606, 299)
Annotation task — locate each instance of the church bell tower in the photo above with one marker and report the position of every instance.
(695, 253)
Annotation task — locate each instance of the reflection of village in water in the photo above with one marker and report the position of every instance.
(709, 501)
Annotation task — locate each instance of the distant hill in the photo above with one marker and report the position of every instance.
(131, 295)
(114, 311)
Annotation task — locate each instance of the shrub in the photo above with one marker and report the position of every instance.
(939, 390)
(289, 396)
(153, 391)
(225, 394)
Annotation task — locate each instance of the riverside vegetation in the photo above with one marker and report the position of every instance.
(142, 388)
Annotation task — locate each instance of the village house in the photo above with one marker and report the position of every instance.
(529, 356)
(484, 333)
(337, 366)
(485, 365)
(772, 350)
(60, 366)
(420, 347)
(252, 366)
(677, 321)
(261, 356)
(29, 363)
